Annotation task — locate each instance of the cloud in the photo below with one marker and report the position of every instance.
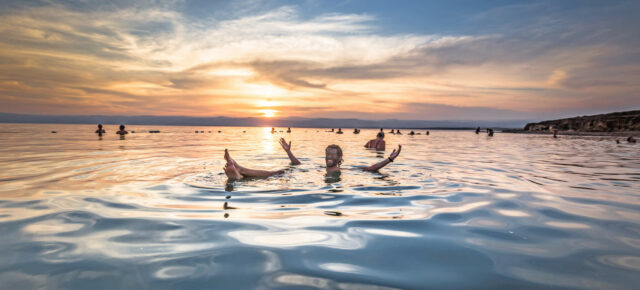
(149, 57)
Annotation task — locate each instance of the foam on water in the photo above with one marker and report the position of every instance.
(456, 210)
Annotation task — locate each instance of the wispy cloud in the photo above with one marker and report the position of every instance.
(151, 58)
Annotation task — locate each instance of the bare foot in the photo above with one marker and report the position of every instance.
(230, 160)
(227, 157)
(232, 172)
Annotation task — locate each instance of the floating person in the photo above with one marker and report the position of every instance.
(617, 141)
(412, 133)
(100, 131)
(381, 129)
(196, 131)
(427, 133)
(377, 143)
(392, 132)
(490, 132)
(478, 130)
(339, 131)
(53, 132)
(398, 132)
(219, 131)
(631, 139)
(122, 131)
(288, 129)
(555, 133)
(332, 130)
(333, 160)
(356, 131)
(273, 130)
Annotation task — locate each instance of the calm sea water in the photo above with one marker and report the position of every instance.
(456, 210)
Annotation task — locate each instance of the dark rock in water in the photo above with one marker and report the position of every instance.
(612, 122)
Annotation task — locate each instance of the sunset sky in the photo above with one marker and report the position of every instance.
(428, 60)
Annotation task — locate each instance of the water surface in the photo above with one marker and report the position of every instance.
(456, 210)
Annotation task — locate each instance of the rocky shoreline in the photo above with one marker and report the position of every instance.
(574, 133)
(624, 123)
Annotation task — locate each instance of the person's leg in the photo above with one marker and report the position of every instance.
(232, 172)
(247, 172)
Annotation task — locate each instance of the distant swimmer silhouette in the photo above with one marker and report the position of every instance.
(289, 130)
(333, 160)
(122, 131)
(631, 139)
(478, 130)
(412, 133)
(339, 131)
(377, 143)
(100, 131)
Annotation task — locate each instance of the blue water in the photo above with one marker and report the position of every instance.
(455, 210)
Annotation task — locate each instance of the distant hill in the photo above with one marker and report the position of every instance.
(612, 122)
(245, 122)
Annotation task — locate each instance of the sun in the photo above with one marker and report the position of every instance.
(268, 113)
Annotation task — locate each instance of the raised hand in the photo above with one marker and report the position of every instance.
(285, 146)
(395, 153)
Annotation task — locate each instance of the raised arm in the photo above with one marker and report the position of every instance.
(384, 163)
(287, 148)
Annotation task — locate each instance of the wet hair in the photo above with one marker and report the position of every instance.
(334, 146)
(121, 127)
(380, 135)
(99, 125)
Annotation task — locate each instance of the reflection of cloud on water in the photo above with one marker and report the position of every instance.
(289, 279)
(296, 238)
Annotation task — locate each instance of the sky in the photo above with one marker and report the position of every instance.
(419, 60)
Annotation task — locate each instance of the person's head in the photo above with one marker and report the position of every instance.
(99, 126)
(333, 155)
(380, 135)
(121, 127)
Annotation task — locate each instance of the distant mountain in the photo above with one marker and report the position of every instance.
(245, 122)
(612, 122)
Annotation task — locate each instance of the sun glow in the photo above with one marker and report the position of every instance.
(268, 113)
